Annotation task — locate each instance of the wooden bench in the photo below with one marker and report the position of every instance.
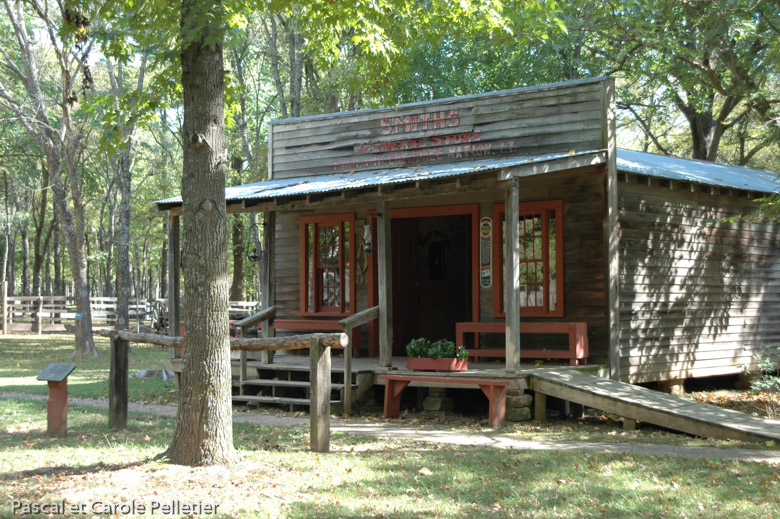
(577, 353)
(495, 391)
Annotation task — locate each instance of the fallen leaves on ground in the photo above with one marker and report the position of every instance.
(762, 404)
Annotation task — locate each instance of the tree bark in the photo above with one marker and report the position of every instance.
(42, 239)
(204, 428)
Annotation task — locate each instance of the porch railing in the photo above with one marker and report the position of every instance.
(265, 318)
(349, 324)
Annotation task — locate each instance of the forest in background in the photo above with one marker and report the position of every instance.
(90, 99)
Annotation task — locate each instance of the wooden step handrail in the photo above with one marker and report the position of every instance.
(263, 315)
(360, 318)
(349, 323)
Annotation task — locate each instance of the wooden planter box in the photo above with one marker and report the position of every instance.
(425, 364)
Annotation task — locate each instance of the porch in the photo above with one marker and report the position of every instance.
(284, 383)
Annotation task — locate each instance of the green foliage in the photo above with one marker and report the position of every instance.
(441, 349)
(768, 366)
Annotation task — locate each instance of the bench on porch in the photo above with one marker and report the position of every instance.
(577, 353)
(495, 391)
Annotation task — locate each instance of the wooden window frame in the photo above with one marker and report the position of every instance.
(526, 209)
(344, 309)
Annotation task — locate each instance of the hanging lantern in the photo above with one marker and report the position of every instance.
(255, 252)
(368, 240)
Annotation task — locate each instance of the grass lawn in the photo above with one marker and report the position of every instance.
(362, 477)
(23, 357)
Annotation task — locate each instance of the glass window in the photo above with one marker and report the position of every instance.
(326, 286)
(540, 261)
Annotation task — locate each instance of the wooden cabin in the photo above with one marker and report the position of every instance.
(511, 222)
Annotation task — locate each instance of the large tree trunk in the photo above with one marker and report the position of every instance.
(204, 427)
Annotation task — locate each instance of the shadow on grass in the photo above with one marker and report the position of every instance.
(66, 470)
(468, 482)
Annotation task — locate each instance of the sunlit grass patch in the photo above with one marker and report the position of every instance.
(365, 476)
(22, 358)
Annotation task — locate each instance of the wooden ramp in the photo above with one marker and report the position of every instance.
(640, 404)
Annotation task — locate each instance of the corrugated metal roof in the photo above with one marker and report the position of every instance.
(641, 163)
(336, 182)
(698, 171)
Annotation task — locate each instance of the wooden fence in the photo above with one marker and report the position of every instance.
(52, 313)
(319, 345)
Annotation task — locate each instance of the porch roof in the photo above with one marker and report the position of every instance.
(698, 171)
(673, 168)
(300, 186)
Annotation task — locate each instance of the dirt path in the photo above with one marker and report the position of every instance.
(497, 440)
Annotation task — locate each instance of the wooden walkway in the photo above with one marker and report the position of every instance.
(640, 404)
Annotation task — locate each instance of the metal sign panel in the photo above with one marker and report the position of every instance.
(56, 372)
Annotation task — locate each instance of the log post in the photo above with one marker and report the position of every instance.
(540, 407)
(117, 383)
(319, 417)
(348, 371)
(385, 278)
(268, 296)
(512, 282)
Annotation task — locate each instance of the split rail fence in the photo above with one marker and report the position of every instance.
(318, 344)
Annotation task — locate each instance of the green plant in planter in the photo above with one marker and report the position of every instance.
(441, 349)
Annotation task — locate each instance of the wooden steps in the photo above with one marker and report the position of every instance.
(285, 382)
(639, 404)
(261, 399)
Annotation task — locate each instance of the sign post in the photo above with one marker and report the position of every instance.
(57, 406)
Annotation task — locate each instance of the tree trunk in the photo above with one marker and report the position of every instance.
(25, 260)
(59, 283)
(53, 142)
(42, 239)
(123, 279)
(204, 427)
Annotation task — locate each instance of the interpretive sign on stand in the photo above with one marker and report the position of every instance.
(57, 406)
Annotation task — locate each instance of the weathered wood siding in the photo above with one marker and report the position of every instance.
(697, 296)
(568, 116)
(583, 196)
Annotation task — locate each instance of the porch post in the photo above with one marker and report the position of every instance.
(174, 277)
(268, 285)
(385, 283)
(612, 265)
(512, 281)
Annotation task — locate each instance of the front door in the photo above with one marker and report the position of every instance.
(404, 251)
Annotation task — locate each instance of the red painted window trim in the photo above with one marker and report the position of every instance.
(328, 220)
(526, 209)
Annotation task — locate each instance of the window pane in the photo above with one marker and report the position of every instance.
(329, 245)
(551, 266)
